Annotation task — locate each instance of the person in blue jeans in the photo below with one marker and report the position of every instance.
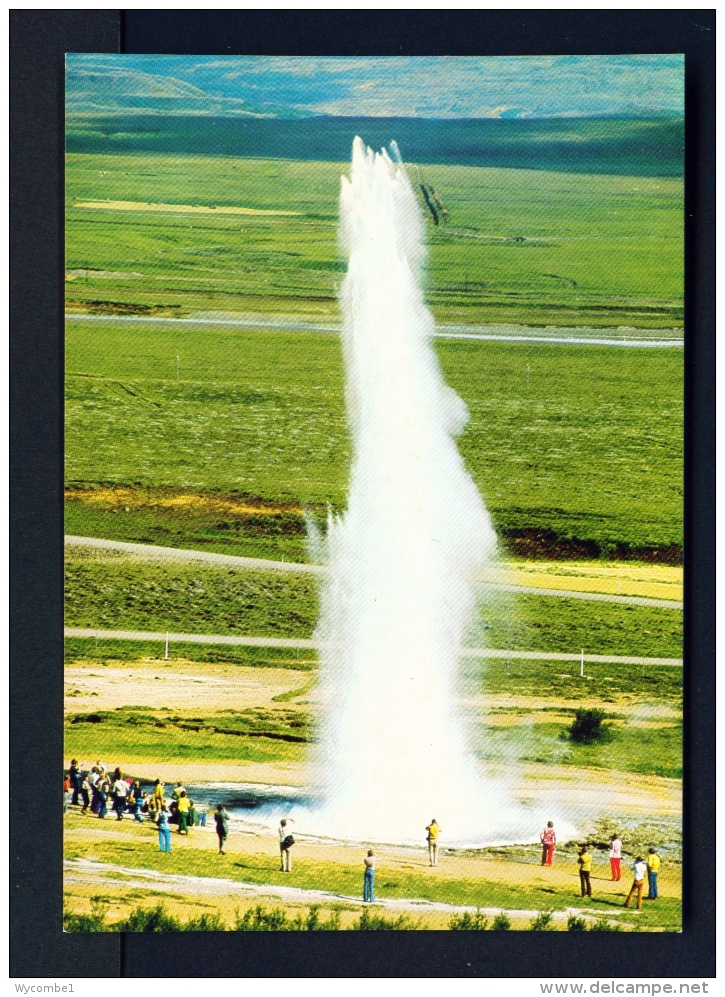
(369, 880)
(164, 830)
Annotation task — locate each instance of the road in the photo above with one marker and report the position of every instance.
(302, 643)
(657, 338)
(232, 561)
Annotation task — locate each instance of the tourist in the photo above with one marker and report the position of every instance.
(585, 869)
(104, 788)
(178, 791)
(193, 819)
(548, 842)
(653, 867)
(162, 822)
(120, 792)
(66, 793)
(221, 819)
(615, 858)
(85, 793)
(639, 869)
(138, 804)
(182, 806)
(369, 879)
(433, 831)
(75, 781)
(159, 798)
(285, 845)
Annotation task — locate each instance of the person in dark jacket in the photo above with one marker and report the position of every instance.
(221, 819)
(75, 781)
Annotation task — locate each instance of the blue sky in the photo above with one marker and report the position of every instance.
(432, 87)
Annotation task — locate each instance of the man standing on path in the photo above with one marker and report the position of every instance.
(75, 781)
(653, 867)
(585, 869)
(221, 819)
(369, 880)
(639, 868)
(548, 843)
(164, 830)
(433, 831)
(615, 858)
(120, 792)
(285, 845)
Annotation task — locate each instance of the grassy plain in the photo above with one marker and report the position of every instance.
(522, 245)
(581, 445)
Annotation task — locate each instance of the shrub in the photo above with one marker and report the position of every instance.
(575, 923)
(542, 921)
(605, 926)
(313, 922)
(501, 923)
(376, 922)
(95, 921)
(259, 919)
(587, 727)
(150, 919)
(468, 922)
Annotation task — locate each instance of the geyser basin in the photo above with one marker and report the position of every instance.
(399, 594)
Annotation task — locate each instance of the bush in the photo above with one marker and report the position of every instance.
(260, 919)
(150, 919)
(587, 727)
(95, 921)
(575, 923)
(542, 921)
(605, 926)
(376, 922)
(501, 923)
(468, 922)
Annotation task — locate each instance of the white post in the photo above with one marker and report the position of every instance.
(581, 668)
(177, 368)
(167, 647)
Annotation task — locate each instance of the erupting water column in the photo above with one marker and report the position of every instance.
(399, 595)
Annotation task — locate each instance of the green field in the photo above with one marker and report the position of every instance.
(582, 441)
(522, 246)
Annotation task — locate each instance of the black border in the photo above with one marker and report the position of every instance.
(38, 40)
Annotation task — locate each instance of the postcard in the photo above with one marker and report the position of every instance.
(374, 493)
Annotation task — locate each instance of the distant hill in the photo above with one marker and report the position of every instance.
(120, 92)
(629, 146)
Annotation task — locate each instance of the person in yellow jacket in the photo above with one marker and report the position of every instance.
(159, 800)
(653, 867)
(585, 870)
(433, 831)
(183, 806)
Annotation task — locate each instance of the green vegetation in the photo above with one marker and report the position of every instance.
(254, 735)
(124, 594)
(577, 450)
(587, 727)
(501, 923)
(634, 747)
(574, 923)
(112, 651)
(542, 921)
(345, 879)
(468, 922)
(522, 246)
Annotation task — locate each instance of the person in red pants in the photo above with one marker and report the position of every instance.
(615, 858)
(548, 842)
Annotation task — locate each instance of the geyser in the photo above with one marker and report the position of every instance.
(399, 594)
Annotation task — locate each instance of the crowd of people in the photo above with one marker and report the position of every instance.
(95, 791)
(641, 867)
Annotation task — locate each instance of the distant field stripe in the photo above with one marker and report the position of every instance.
(510, 335)
(232, 560)
(292, 642)
(177, 208)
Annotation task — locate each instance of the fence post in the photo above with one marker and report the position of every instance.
(581, 668)
(166, 656)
